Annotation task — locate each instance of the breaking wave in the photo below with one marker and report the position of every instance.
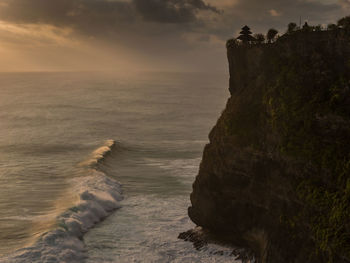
(99, 196)
(98, 155)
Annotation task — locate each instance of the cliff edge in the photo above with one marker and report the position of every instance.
(275, 176)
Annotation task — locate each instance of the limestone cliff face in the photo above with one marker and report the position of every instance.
(275, 175)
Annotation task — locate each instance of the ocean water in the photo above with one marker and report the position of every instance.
(98, 167)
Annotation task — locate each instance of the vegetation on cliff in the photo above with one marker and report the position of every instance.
(290, 112)
(308, 107)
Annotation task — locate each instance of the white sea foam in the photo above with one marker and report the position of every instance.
(99, 196)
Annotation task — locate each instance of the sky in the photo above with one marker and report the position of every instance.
(126, 35)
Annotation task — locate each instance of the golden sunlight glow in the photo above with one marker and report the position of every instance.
(39, 47)
(32, 34)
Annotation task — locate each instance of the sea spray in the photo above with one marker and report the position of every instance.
(99, 196)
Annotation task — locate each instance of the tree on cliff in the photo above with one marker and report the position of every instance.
(306, 27)
(318, 28)
(291, 27)
(332, 27)
(259, 38)
(344, 23)
(246, 35)
(231, 43)
(271, 35)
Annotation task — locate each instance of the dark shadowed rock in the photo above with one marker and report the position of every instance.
(275, 175)
(197, 236)
(201, 238)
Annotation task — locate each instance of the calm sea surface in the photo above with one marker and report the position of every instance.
(66, 139)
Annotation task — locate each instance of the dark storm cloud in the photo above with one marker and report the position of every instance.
(101, 11)
(171, 11)
(66, 12)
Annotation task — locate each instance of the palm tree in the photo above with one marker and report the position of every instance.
(291, 27)
(271, 35)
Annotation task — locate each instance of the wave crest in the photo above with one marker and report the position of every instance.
(99, 196)
(99, 154)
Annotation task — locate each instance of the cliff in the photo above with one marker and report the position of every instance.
(275, 176)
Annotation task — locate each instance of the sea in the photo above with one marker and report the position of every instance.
(98, 166)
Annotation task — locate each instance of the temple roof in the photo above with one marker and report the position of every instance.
(246, 32)
(246, 38)
(245, 35)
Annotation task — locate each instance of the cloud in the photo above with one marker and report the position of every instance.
(33, 36)
(75, 13)
(274, 12)
(345, 4)
(103, 12)
(171, 11)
